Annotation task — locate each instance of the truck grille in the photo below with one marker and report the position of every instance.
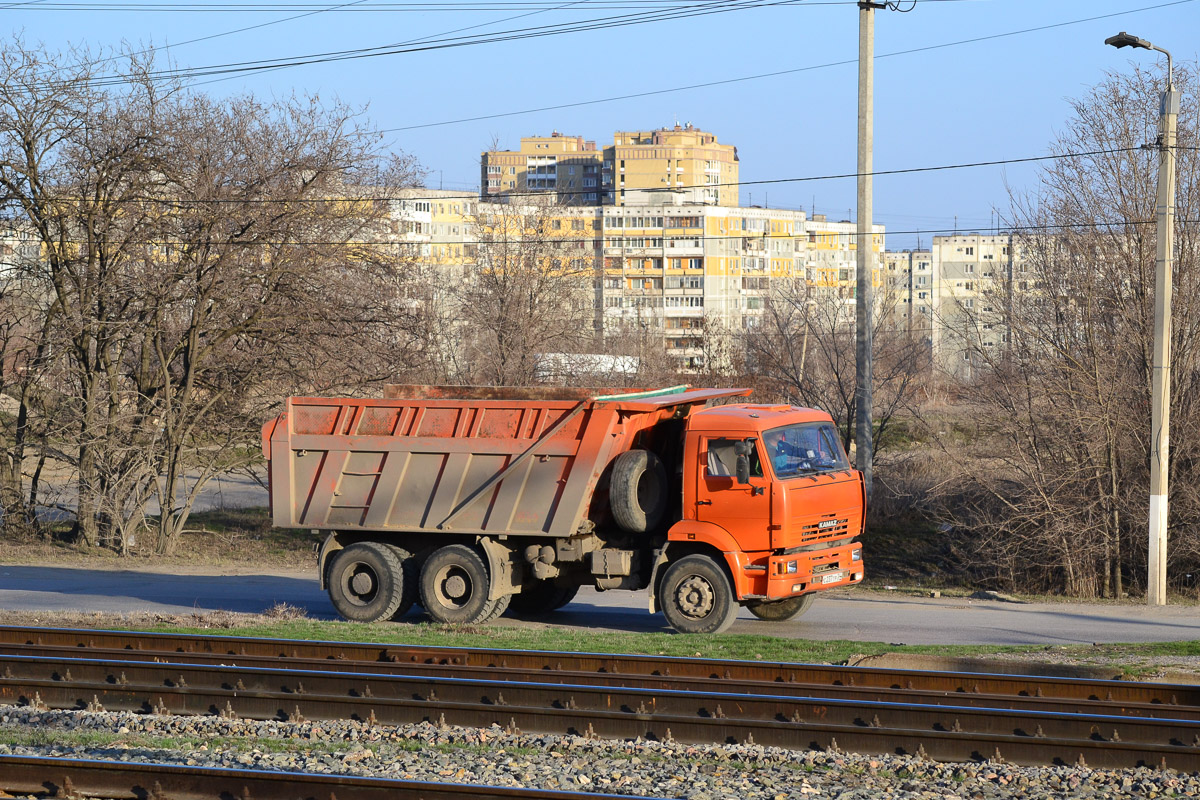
(815, 532)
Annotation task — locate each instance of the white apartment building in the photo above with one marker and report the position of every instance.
(974, 274)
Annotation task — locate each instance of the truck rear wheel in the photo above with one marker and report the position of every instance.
(781, 610)
(638, 491)
(696, 597)
(455, 585)
(366, 582)
(408, 565)
(541, 597)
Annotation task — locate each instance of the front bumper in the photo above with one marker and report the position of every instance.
(813, 570)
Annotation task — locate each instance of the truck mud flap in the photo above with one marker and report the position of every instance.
(660, 558)
(501, 566)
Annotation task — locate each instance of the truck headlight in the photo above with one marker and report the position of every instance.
(791, 567)
(856, 555)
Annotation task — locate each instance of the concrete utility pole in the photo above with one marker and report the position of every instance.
(1160, 381)
(864, 290)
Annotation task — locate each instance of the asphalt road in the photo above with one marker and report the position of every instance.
(868, 616)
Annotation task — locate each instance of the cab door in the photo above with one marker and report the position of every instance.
(743, 510)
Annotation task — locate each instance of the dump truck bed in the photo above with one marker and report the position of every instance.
(445, 460)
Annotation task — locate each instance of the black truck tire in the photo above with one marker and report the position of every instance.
(638, 491)
(696, 597)
(412, 575)
(454, 587)
(366, 582)
(540, 598)
(781, 610)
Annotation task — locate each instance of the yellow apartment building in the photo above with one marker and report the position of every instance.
(639, 168)
(678, 271)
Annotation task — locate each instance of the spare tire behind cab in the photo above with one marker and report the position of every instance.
(638, 491)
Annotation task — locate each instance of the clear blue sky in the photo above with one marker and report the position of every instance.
(978, 101)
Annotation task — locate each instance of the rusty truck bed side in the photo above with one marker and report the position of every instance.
(476, 466)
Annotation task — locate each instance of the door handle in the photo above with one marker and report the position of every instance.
(704, 502)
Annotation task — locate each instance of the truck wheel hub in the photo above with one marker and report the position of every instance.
(455, 587)
(695, 597)
(362, 583)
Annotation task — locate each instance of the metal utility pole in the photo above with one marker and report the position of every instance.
(864, 289)
(1160, 381)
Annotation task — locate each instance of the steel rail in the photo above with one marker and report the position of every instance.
(725, 671)
(944, 732)
(119, 780)
(438, 668)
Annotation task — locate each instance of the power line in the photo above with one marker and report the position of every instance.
(190, 202)
(558, 7)
(591, 240)
(762, 182)
(556, 29)
(776, 73)
(416, 7)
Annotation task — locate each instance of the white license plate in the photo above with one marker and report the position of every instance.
(833, 577)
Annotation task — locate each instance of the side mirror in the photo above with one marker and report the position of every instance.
(742, 450)
(743, 468)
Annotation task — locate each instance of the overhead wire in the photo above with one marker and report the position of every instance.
(1002, 230)
(775, 73)
(423, 45)
(558, 7)
(598, 190)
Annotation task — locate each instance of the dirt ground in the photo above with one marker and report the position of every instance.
(237, 540)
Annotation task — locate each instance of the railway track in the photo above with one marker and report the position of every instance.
(943, 716)
(112, 780)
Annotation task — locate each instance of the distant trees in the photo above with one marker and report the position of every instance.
(802, 351)
(1053, 482)
(194, 261)
(528, 293)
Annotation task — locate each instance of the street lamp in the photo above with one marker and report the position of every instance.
(1160, 386)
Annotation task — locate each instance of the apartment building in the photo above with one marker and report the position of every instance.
(687, 270)
(639, 168)
(566, 166)
(832, 268)
(909, 290)
(974, 277)
(683, 160)
(671, 270)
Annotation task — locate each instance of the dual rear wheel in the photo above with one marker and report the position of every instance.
(372, 582)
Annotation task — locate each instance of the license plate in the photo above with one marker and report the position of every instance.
(833, 577)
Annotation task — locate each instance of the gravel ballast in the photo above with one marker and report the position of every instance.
(494, 756)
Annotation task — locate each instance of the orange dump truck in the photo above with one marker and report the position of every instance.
(471, 500)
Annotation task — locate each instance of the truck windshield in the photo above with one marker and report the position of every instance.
(804, 450)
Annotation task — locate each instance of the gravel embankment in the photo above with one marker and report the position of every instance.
(494, 756)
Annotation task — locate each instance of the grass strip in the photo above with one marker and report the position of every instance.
(1129, 659)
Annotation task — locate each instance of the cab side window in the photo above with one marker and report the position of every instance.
(722, 459)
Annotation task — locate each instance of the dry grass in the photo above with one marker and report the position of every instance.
(231, 538)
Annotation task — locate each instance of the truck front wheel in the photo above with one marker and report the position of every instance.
(696, 597)
(455, 585)
(366, 582)
(781, 610)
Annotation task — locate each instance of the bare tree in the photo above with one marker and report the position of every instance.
(802, 350)
(1054, 481)
(528, 294)
(200, 259)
